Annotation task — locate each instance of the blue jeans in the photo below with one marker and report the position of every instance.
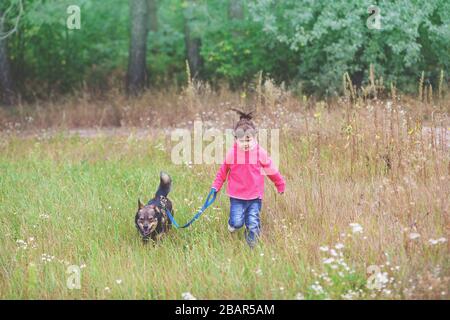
(246, 211)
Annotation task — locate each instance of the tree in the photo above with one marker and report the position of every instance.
(333, 38)
(6, 82)
(141, 13)
(192, 41)
(235, 9)
(153, 16)
(7, 92)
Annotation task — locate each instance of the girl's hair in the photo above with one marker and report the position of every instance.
(245, 125)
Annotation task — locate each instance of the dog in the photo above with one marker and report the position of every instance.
(152, 220)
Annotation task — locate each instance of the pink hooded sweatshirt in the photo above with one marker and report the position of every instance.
(246, 171)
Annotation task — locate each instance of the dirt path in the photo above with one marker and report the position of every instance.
(440, 134)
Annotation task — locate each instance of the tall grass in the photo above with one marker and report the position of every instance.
(367, 185)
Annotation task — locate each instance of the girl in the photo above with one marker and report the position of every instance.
(245, 165)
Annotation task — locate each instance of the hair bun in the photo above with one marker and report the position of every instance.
(244, 115)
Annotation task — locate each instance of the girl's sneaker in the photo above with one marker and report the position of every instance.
(231, 229)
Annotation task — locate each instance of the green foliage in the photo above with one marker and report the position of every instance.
(47, 57)
(333, 38)
(312, 42)
(166, 58)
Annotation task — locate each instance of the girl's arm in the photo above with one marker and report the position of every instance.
(271, 171)
(221, 176)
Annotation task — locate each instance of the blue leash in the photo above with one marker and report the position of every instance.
(209, 201)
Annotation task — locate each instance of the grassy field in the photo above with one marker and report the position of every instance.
(354, 199)
(365, 214)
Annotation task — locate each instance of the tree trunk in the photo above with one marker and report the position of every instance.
(235, 15)
(6, 82)
(193, 43)
(137, 70)
(153, 15)
(235, 10)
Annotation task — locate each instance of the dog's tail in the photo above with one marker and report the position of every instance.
(165, 183)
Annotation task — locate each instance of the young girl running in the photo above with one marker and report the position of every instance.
(244, 167)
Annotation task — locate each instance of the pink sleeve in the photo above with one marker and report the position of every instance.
(271, 171)
(221, 176)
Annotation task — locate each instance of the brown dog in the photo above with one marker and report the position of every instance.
(152, 220)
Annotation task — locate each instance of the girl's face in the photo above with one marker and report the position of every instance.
(246, 142)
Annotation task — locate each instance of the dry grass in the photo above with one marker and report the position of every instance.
(357, 161)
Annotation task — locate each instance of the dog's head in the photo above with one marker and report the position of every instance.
(147, 219)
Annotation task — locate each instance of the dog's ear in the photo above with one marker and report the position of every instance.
(140, 205)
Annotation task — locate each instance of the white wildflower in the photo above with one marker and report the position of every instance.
(414, 236)
(347, 296)
(387, 292)
(299, 296)
(437, 241)
(356, 228)
(47, 258)
(317, 288)
(324, 249)
(339, 246)
(381, 278)
(22, 244)
(188, 296)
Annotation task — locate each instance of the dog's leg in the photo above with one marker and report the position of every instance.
(159, 236)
